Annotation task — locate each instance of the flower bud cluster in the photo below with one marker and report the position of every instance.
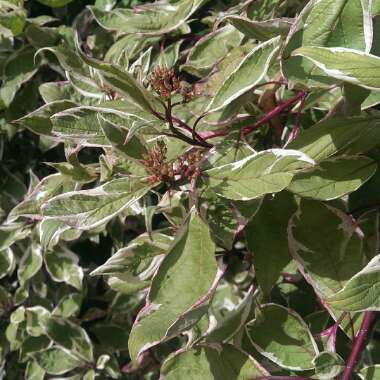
(185, 166)
(166, 82)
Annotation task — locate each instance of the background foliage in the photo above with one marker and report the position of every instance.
(189, 189)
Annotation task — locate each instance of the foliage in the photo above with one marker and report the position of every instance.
(189, 189)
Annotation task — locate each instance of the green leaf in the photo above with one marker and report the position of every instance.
(347, 65)
(138, 256)
(126, 283)
(36, 318)
(247, 75)
(354, 96)
(85, 80)
(55, 3)
(33, 371)
(123, 83)
(47, 188)
(39, 121)
(71, 337)
(351, 135)
(328, 365)
(11, 233)
(7, 262)
(333, 178)
(269, 243)
(266, 172)
(360, 293)
(327, 23)
(210, 49)
(222, 362)
(30, 263)
(370, 373)
(62, 265)
(260, 30)
(121, 138)
(12, 17)
(18, 69)
(33, 344)
(180, 290)
(56, 361)
(283, 337)
(86, 209)
(68, 306)
(80, 125)
(155, 19)
(327, 246)
(232, 322)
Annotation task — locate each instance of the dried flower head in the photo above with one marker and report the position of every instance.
(185, 166)
(164, 81)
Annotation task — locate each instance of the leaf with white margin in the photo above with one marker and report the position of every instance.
(370, 373)
(18, 68)
(151, 19)
(210, 362)
(124, 139)
(362, 291)
(47, 188)
(56, 361)
(7, 262)
(33, 371)
(86, 209)
(326, 23)
(225, 329)
(62, 265)
(268, 171)
(282, 336)
(268, 244)
(80, 125)
(36, 317)
(123, 83)
(210, 49)
(86, 81)
(333, 178)
(137, 257)
(30, 263)
(327, 246)
(348, 65)
(351, 135)
(70, 336)
(39, 121)
(10, 233)
(328, 365)
(52, 231)
(260, 30)
(247, 75)
(181, 289)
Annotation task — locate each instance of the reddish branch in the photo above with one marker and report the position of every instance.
(269, 116)
(359, 344)
(282, 378)
(275, 112)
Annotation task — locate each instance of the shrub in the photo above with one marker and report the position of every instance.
(189, 189)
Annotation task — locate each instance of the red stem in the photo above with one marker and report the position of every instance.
(282, 378)
(270, 115)
(275, 112)
(295, 131)
(359, 343)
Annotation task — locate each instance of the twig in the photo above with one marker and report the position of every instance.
(275, 112)
(296, 129)
(270, 115)
(175, 131)
(359, 343)
(282, 378)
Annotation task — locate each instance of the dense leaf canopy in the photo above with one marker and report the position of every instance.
(189, 189)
